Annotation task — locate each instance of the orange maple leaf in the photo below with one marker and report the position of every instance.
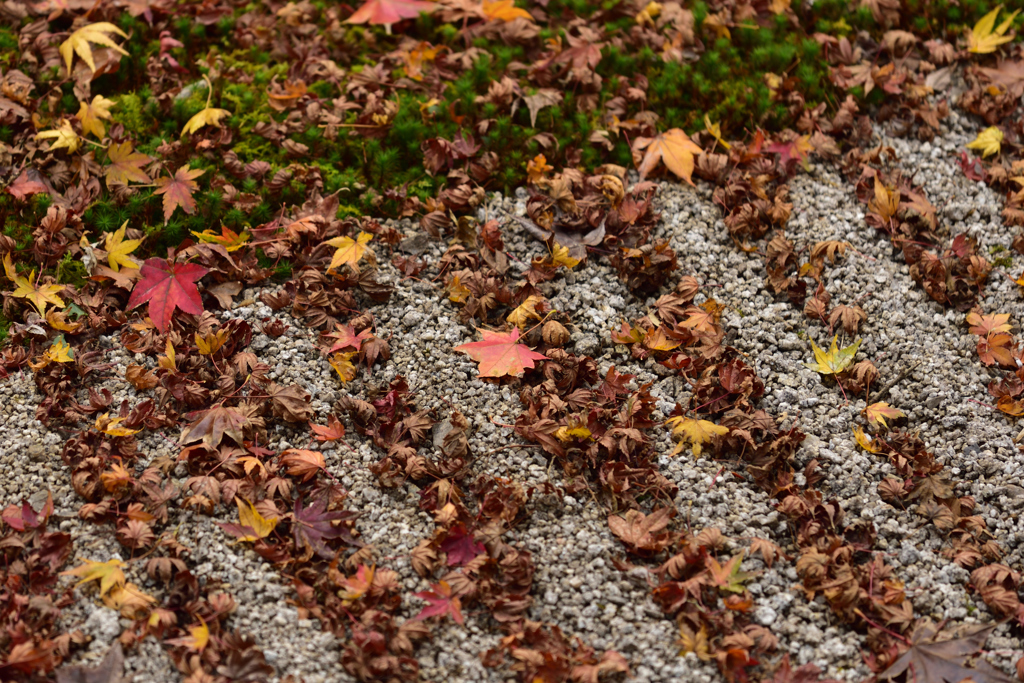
(673, 147)
(177, 191)
(500, 354)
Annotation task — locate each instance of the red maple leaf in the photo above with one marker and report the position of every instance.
(166, 286)
(441, 601)
(29, 182)
(177, 191)
(313, 527)
(389, 12)
(27, 517)
(460, 546)
(500, 353)
(347, 338)
(332, 432)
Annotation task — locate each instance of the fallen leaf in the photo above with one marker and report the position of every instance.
(864, 441)
(210, 116)
(715, 131)
(63, 136)
(177, 190)
(214, 424)
(303, 463)
(108, 425)
(641, 532)
(931, 661)
(342, 364)
(442, 603)
(167, 286)
(988, 141)
(983, 38)
(92, 115)
(252, 526)
(728, 578)
(985, 325)
(387, 12)
(561, 256)
(78, 43)
(522, 314)
(349, 251)
(314, 525)
(878, 412)
(500, 354)
(109, 670)
(673, 147)
(119, 248)
(125, 164)
(356, 587)
(334, 430)
(504, 10)
(27, 288)
(228, 238)
(197, 639)
(108, 573)
(696, 432)
(835, 360)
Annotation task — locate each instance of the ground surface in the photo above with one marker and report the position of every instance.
(577, 586)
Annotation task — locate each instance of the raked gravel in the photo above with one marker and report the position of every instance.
(576, 585)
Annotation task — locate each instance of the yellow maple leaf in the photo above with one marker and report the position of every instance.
(118, 249)
(864, 441)
(695, 432)
(648, 14)
(249, 516)
(59, 351)
(63, 136)
(228, 238)
(78, 42)
(342, 364)
(198, 637)
(524, 312)
(211, 342)
(167, 361)
(565, 433)
(674, 148)
(349, 250)
(108, 573)
(715, 131)
(458, 292)
(93, 114)
(108, 425)
(560, 255)
(28, 288)
(209, 116)
(58, 320)
(988, 141)
(503, 10)
(835, 360)
(129, 600)
(983, 38)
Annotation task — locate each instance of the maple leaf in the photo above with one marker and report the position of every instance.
(167, 286)
(886, 201)
(214, 424)
(1009, 75)
(27, 288)
(252, 526)
(109, 670)
(836, 360)
(458, 292)
(27, 517)
(988, 141)
(342, 364)
(130, 600)
(303, 463)
(209, 116)
(228, 238)
(864, 441)
(561, 256)
(347, 338)
(349, 250)
(59, 351)
(985, 325)
(63, 136)
(715, 131)
(983, 38)
(503, 10)
(441, 601)
(197, 639)
(460, 547)
(500, 354)
(93, 114)
(211, 342)
(522, 314)
(878, 412)
(177, 190)
(125, 164)
(27, 183)
(696, 432)
(794, 150)
(387, 12)
(640, 531)
(108, 573)
(729, 578)
(357, 586)
(118, 249)
(673, 147)
(313, 526)
(334, 430)
(930, 660)
(108, 425)
(78, 43)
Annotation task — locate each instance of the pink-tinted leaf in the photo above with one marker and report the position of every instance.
(166, 286)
